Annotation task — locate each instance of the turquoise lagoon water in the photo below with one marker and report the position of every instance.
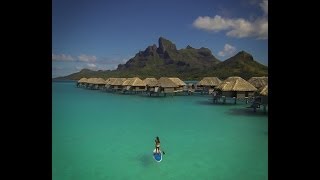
(99, 135)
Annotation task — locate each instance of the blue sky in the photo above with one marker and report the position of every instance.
(100, 34)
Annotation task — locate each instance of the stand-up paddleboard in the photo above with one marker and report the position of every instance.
(157, 156)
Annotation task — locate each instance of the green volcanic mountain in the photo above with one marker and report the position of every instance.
(188, 64)
(242, 64)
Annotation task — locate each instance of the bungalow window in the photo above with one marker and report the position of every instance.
(246, 94)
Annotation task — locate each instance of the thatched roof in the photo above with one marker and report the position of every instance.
(177, 81)
(107, 80)
(209, 81)
(83, 80)
(96, 81)
(118, 81)
(258, 82)
(235, 84)
(166, 82)
(264, 91)
(127, 82)
(134, 82)
(91, 80)
(151, 82)
(99, 81)
(110, 80)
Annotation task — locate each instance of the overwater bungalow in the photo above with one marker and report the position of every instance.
(151, 85)
(261, 99)
(99, 83)
(181, 85)
(116, 85)
(166, 85)
(264, 97)
(90, 83)
(207, 84)
(82, 82)
(134, 85)
(264, 91)
(258, 82)
(109, 81)
(190, 88)
(126, 86)
(237, 88)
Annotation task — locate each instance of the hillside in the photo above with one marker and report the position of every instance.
(188, 64)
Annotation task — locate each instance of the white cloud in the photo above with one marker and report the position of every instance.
(62, 57)
(81, 58)
(215, 24)
(56, 68)
(264, 6)
(86, 58)
(227, 50)
(124, 60)
(262, 28)
(92, 66)
(237, 27)
(79, 68)
(92, 62)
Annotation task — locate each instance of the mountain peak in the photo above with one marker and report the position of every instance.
(244, 55)
(150, 50)
(165, 44)
(189, 47)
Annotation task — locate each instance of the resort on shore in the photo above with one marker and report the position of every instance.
(255, 90)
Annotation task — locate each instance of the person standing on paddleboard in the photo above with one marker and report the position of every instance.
(157, 141)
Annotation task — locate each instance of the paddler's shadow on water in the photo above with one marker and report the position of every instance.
(145, 159)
